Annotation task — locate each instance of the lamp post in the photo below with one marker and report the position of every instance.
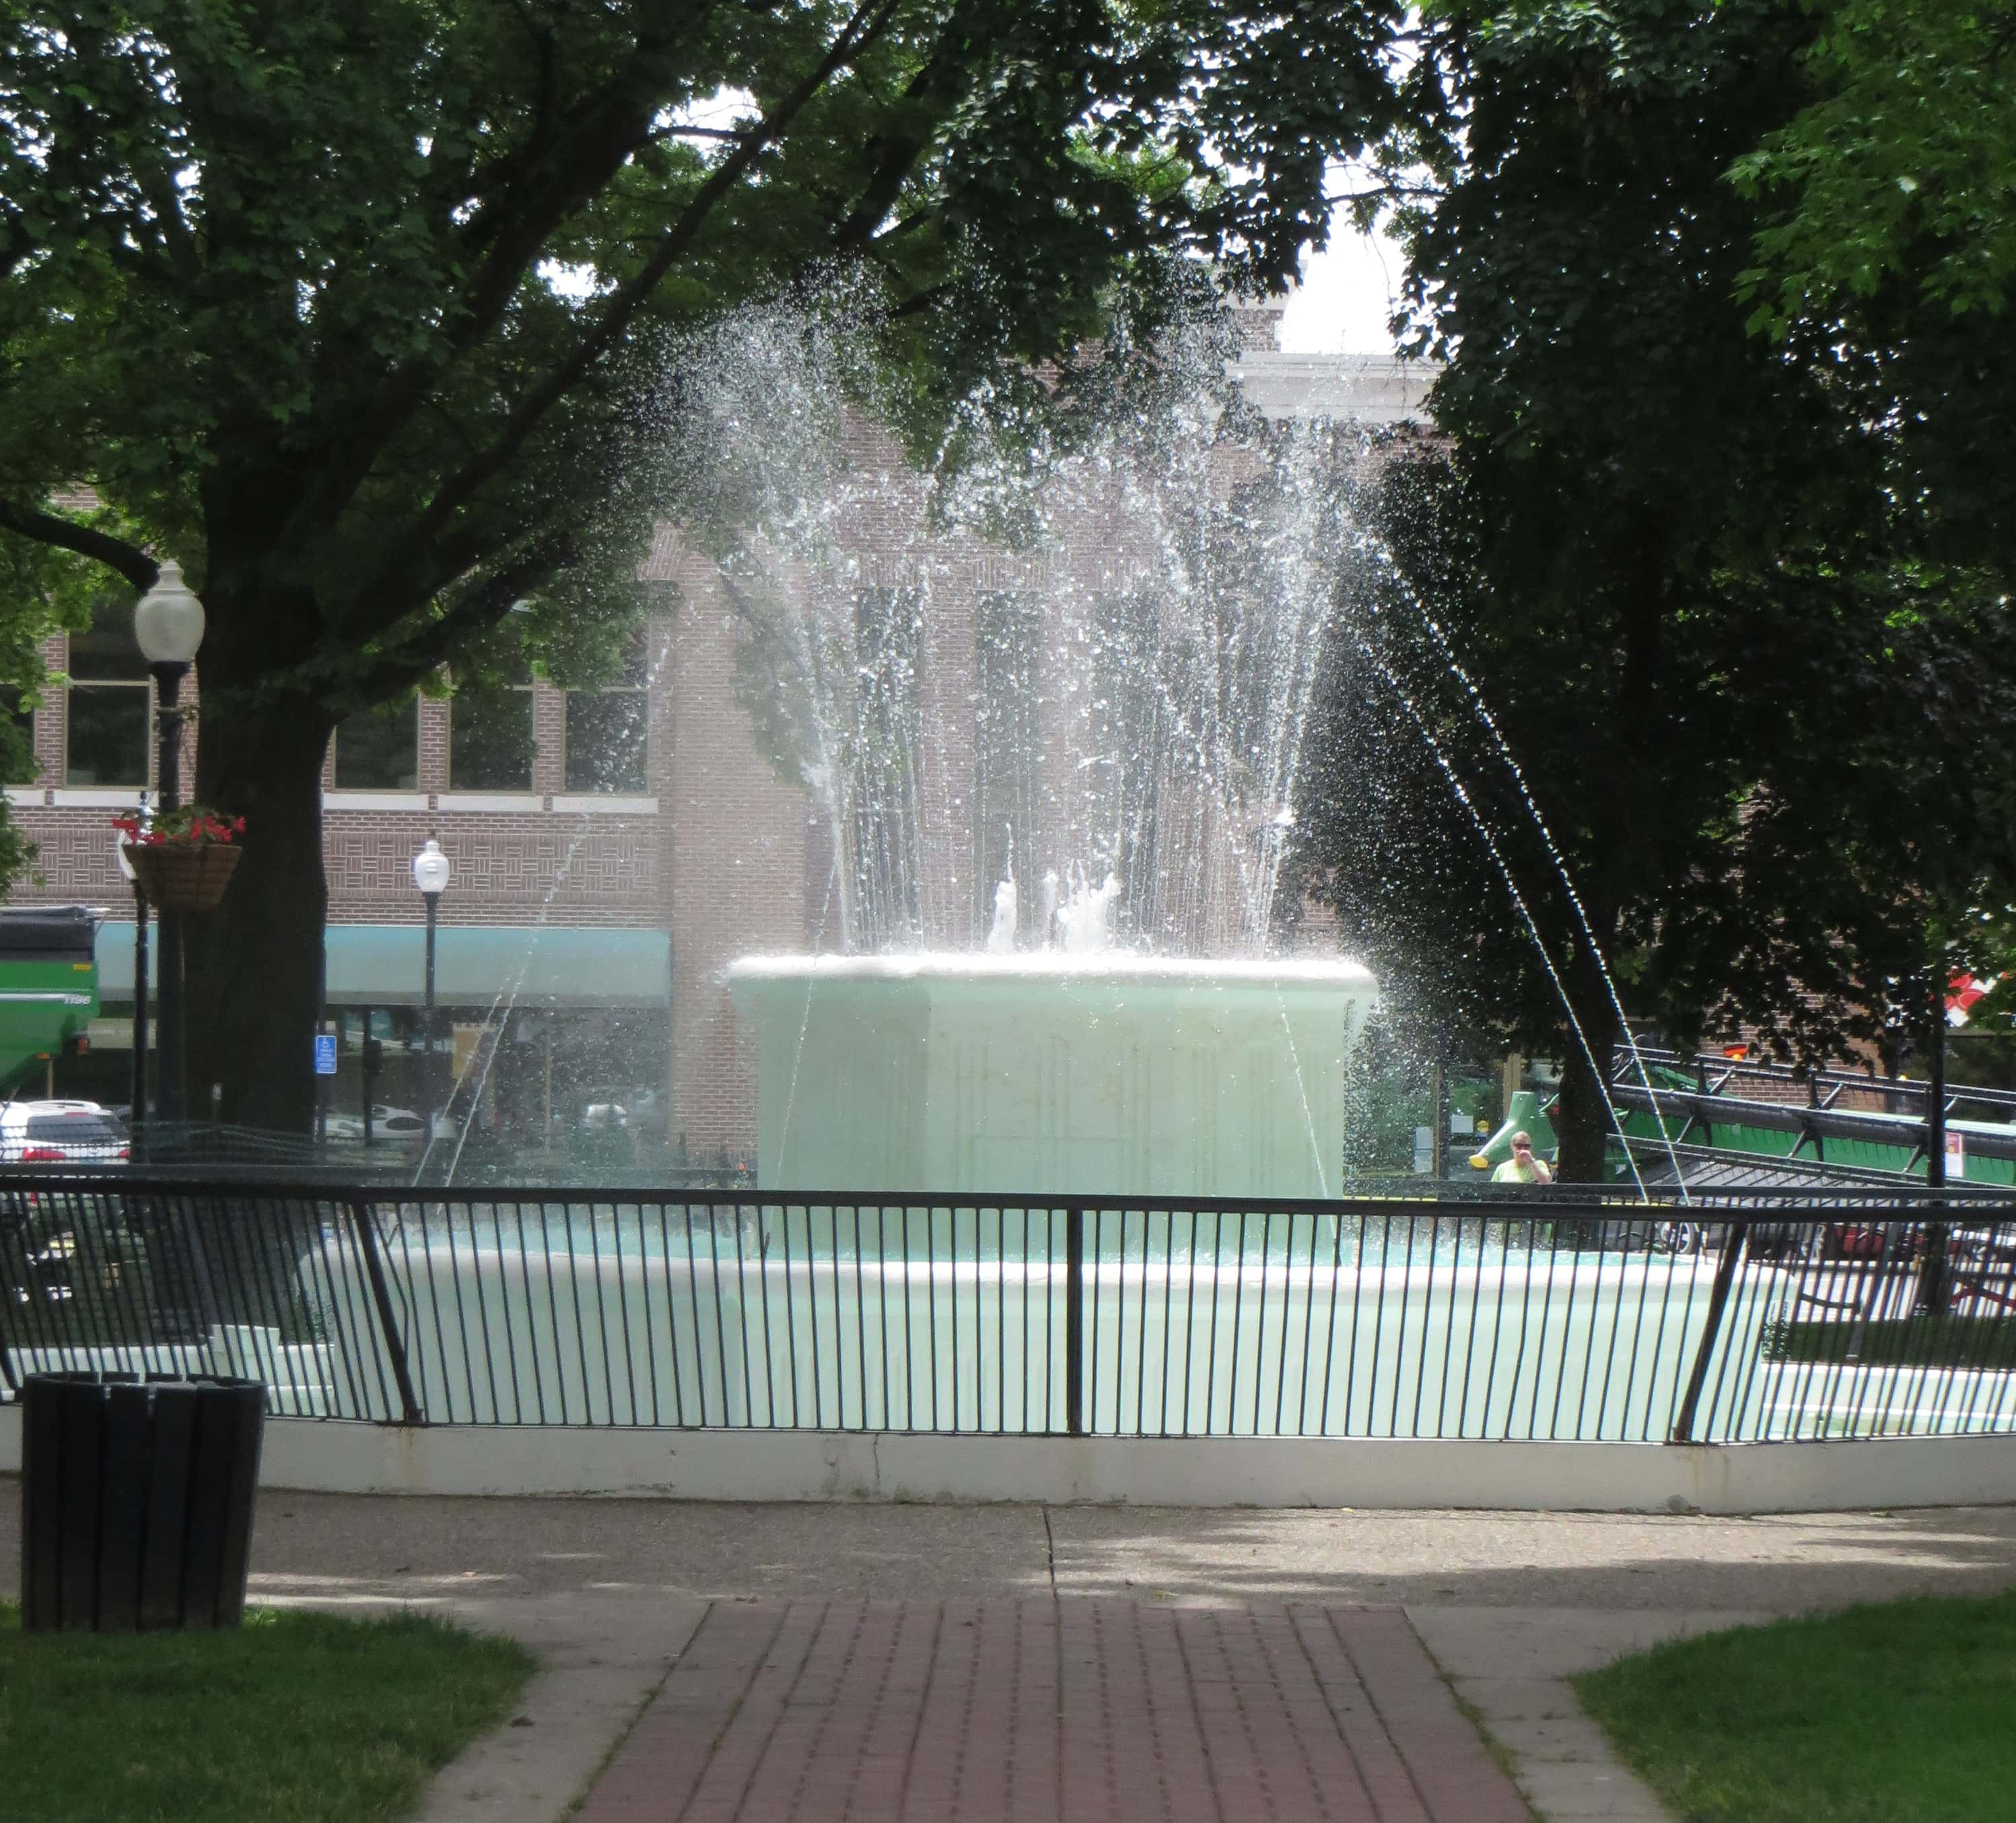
(168, 625)
(1935, 1296)
(430, 874)
(139, 1115)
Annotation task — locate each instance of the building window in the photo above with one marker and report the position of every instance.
(111, 700)
(21, 766)
(380, 750)
(489, 743)
(608, 732)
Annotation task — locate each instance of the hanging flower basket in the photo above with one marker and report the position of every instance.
(184, 861)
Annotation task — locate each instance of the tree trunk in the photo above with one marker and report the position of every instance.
(255, 965)
(1582, 1122)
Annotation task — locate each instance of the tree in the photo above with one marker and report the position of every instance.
(1887, 219)
(1752, 701)
(356, 307)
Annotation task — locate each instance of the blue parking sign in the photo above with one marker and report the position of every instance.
(325, 1054)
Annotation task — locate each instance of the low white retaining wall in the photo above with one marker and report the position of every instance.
(300, 1377)
(1258, 1472)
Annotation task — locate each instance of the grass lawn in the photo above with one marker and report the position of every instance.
(1904, 1712)
(1978, 1342)
(296, 1718)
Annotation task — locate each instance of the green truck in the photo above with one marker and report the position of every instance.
(48, 990)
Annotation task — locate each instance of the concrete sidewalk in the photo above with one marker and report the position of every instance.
(611, 1591)
(339, 1547)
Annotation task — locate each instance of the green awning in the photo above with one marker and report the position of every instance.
(384, 965)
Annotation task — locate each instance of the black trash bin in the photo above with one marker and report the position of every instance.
(136, 1509)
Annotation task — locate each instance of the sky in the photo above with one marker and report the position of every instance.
(1346, 297)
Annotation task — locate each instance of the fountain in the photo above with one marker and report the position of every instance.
(1047, 707)
(1051, 1071)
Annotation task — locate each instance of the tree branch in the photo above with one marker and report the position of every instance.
(932, 87)
(870, 21)
(15, 241)
(576, 159)
(906, 225)
(419, 657)
(47, 528)
(918, 303)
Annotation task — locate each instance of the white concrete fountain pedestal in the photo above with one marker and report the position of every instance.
(1046, 1073)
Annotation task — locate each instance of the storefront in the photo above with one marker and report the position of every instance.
(541, 1030)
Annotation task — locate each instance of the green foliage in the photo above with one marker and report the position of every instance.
(1904, 1712)
(1754, 690)
(1887, 225)
(371, 311)
(1903, 168)
(355, 307)
(1986, 1343)
(296, 1717)
(1387, 1095)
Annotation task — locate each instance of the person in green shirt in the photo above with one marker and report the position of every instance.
(1522, 1167)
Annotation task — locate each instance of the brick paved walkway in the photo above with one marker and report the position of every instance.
(1052, 1712)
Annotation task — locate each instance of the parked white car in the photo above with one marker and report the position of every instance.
(61, 1132)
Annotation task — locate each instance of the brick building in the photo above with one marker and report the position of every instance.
(614, 851)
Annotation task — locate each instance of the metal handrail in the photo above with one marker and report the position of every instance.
(1866, 1125)
(1624, 1066)
(1411, 1189)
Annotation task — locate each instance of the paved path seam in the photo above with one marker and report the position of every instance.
(1510, 1670)
(1458, 1778)
(1562, 1762)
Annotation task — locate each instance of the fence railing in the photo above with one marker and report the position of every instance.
(1759, 1316)
(1758, 1078)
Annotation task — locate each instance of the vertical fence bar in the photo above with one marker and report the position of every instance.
(1092, 1351)
(1075, 1321)
(366, 1230)
(7, 1378)
(1718, 1301)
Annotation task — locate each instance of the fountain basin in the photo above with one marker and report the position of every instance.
(1109, 1072)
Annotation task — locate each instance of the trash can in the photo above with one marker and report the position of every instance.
(136, 1507)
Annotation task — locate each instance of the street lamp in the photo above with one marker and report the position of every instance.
(168, 625)
(139, 1115)
(430, 874)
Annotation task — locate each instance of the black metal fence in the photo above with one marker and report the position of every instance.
(1764, 1315)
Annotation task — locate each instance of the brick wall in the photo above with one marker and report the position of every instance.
(735, 855)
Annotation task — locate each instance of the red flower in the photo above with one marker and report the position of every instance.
(192, 826)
